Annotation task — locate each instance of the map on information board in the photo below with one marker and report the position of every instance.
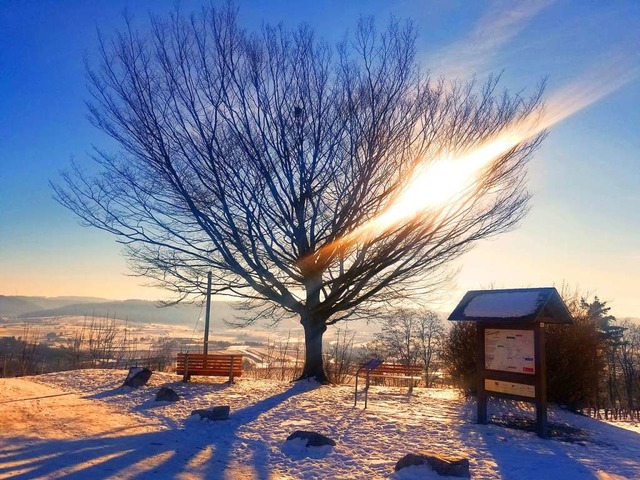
(509, 350)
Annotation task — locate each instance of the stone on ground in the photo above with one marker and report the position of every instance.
(443, 465)
(313, 439)
(213, 413)
(137, 377)
(166, 394)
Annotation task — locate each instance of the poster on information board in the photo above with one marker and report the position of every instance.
(510, 388)
(509, 350)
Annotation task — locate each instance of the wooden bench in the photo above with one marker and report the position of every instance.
(211, 365)
(392, 370)
(379, 369)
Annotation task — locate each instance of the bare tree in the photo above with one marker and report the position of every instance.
(397, 339)
(260, 157)
(629, 359)
(430, 334)
(411, 337)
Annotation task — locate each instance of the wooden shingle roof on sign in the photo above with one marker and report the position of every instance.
(522, 305)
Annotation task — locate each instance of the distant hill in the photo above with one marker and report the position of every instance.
(142, 311)
(14, 306)
(138, 311)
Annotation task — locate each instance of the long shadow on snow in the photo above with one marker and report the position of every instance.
(538, 458)
(146, 455)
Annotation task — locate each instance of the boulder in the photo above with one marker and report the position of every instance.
(137, 377)
(166, 394)
(313, 439)
(213, 413)
(443, 465)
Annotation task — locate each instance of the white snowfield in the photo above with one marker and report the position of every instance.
(80, 425)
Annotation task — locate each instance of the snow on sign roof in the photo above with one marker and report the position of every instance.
(518, 304)
(503, 305)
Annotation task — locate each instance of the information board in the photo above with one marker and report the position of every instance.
(509, 350)
(510, 388)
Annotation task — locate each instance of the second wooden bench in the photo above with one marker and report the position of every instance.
(211, 365)
(379, 369)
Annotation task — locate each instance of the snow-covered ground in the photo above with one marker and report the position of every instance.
(80, 425)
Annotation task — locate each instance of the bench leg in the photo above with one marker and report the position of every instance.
(355, 395)
(231, 372)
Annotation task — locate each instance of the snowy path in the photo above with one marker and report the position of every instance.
(98, 431)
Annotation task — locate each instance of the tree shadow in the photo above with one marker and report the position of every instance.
(560, 431)
(567, 454)
(169, 452)
(37, 398)
(112, 392)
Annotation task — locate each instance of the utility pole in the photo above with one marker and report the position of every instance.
(207, 315)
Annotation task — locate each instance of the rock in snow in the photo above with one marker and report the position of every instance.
(166, 394)
(137, 377)
(313, 439)
(213, 413)
(446, 466)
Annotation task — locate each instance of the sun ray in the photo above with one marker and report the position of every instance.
(438, 183)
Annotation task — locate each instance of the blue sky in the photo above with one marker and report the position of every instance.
(583, 229)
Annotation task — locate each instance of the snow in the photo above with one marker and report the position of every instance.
(503, 305)
(82, 425)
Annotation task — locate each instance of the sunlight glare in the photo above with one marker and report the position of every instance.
(440, 182)
(445, 181)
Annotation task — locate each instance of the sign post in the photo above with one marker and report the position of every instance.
(207, 316)
(510, 344)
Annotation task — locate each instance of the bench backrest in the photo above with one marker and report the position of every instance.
(398, 369)
(215, 362)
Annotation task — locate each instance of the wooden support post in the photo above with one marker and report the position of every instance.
(185, 377)
(480, 374)
(366, 390)
(541, 380)
(207, 316)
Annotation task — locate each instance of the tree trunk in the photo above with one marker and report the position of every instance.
(313, 362)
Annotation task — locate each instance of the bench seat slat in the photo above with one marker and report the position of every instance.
(208, 373)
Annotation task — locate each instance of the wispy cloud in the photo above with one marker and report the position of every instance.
(473, 53)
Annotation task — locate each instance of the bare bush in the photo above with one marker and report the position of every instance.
(339, 357)
(282, 360)
(459, 355)
(30, 347)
